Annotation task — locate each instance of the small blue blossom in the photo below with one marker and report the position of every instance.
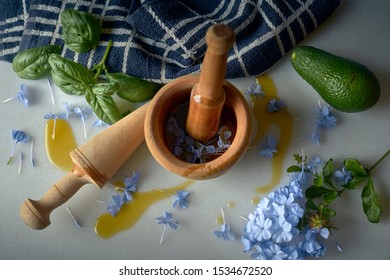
(99, 122)
(344, 175)
(166, 220)
(17, 136)
(255, 90)
(324, 119)
(181, 199)
(225, 232)
(116, 205)
(82, 113)
(54, 117)
(275, 105)
(269, 148)
(21, 96)
(130, 184)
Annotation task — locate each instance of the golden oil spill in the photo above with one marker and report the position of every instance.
(59, 142)
(264, 121)
(107, 225)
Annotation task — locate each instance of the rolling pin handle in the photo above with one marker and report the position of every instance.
(36, 213)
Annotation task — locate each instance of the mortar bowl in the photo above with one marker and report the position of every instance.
(175, 94)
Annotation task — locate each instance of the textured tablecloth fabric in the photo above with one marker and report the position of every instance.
(161, 40)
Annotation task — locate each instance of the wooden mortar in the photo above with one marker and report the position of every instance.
(176, 93)
(209, 97)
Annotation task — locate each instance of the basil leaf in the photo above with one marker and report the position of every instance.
(104, 107)
(80, 30)
(105, 88)
(70, 77)
(371, 202)
(359, 174)
(32, 64)
(133, 89)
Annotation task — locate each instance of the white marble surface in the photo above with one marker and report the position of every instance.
(358, 29)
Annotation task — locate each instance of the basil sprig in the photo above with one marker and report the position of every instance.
(80, 30)
(73, 78)
(32, 64)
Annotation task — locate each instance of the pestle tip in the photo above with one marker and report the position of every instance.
(220, 38)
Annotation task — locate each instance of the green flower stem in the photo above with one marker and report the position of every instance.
(102, 64)
(379, 161)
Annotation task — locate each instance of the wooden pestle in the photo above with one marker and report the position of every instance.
(207, 97)
(95, 162)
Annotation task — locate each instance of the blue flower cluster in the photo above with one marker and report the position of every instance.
(274, 230)
(190, 150)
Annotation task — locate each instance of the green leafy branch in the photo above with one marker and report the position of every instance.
(325, 191)
(81, 32)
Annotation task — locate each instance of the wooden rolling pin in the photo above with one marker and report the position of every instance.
(95, 162)
(207, 97)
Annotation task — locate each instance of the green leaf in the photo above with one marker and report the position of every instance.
(327, 172)
(359, 173)
(371, 202)
(133, 89)
(294, 168)
(330, 196)
(104, 107)
(316, 191)
(310, 205)
(105, 88)
(318, 180)
(80, 30)
(33, 64)
(69, 76)
(326, 211)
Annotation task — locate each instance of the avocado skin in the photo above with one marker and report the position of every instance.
(344, 84)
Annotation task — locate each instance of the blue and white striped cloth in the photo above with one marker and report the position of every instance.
(161, 40)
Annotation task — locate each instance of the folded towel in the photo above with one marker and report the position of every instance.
(161, 40)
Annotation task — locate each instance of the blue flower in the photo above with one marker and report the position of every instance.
(21, 96)
(324, 119)
(275, 105)
(17, 136)
(82, 113)
(130, 185)
(344, 175)
(224, 233)
(310, 246)
(255, 90)
(269, 148)
(181, 199)
(166, 220)
(99, 122)
(116, 205)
